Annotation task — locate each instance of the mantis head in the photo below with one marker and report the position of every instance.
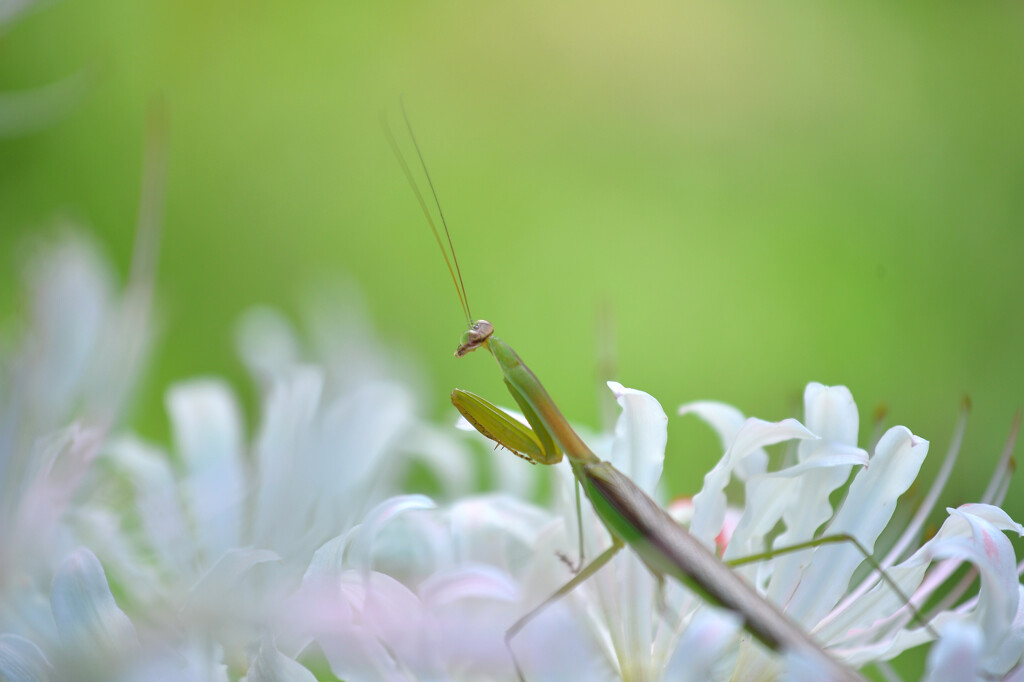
(474, 337)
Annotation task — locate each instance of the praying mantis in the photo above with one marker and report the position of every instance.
(631, 517)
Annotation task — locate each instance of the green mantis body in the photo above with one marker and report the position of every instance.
(630, 515)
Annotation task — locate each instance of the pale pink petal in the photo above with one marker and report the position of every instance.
(362, 622)
(956, 657)
(59, 464)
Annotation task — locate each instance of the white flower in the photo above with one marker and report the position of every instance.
(419, 592)
(869, 623)
(63, 378)
(613, 622)
(90, 639)
(220, 541)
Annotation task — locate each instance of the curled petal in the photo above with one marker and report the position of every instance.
(724, 419)
(366, 622)
(22, 661)
(641, 432)
(998, 600)
(831, 413)
(868, 507)
(365, 535)
(87, 617)
(727, 421)
(710, 503)
(467, 582)
(773, 495)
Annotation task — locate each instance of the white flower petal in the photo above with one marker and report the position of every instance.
(472, 608)
(266, 342)
(289, 460)
(22, 661)
(467, 582)
(702, 645)
(993, 515)
(196, 660)
(71, 299)
(831, 413)
(452, 463)
(388, 622)
(207, 428)
(223, 585)
(965, 535)
(835, 455)
(866, 511)
(497, 529)
(364, 536)
(58, 465)
(998, 601)
(363, 429)
(710, 503)
(156, 498)
(270, 665)
(956, 657)
(727, 421)
(801, 666)
(87, 617)
(831, 409)
(641, 432)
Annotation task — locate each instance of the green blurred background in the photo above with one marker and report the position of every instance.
(763, 194)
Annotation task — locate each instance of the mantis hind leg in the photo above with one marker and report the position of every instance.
(838, 538)
(575, 567)
(577, 580)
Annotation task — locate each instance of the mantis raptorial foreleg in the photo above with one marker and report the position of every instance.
(535, 445)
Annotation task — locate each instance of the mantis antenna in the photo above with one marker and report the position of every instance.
(455, 272)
